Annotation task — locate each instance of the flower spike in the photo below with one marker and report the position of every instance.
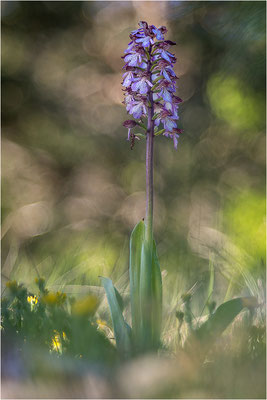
(149, 78)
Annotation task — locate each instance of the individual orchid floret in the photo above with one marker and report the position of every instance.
(141, 84)
(150, 81)
(157, 33)
(128, 77)
(174, 135)
(130, 124)
(133, 59)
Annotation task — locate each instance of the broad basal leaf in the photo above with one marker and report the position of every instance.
(219, 321)
(136, 243)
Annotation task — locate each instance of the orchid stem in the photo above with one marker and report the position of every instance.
(149, 167)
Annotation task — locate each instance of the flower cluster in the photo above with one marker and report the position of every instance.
(149, 82)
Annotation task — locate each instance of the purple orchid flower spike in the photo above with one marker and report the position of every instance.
(149, 85)
(150, 82)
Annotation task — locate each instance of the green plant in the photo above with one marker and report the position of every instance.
(51, 321)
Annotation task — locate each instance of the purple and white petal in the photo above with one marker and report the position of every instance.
(165, 94)
(128, 78)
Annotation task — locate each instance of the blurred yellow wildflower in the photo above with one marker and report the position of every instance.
(12, 285)
(51, 298)
(32, 299)
(101, 324)
(85, 306)
(56, 343)
(61, 297)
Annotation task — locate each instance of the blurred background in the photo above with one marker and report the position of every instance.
(72, 190)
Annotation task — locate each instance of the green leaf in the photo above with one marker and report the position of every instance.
(136, 242)
(142, 125)
(154, 65)
(159, 132)
(158, 78)
(155, 116)
(146, 291)
(211, 282)
(157, 298)
(211, 285)
(119, 299)
(218, 322)
(140, 135)
(158, 100)
(230, 289)
(121, 330)
(154, 87)
(146, 295)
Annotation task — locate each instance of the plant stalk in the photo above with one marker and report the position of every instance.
(149, 166)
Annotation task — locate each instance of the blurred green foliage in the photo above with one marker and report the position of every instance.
(52, 322)
(244, 217)
(234, 104)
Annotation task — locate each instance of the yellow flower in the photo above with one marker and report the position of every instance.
(32, 299)
(12, 285)
(61, 297)
(50, 299)
(54, 298)
(101, 324)
(85, 306)
(56, 342)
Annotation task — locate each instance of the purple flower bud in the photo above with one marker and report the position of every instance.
(163, 29)
(165, 44)
(143, 24)
(129, 123)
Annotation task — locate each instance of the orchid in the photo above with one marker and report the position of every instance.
(149, 84)
(150, 81)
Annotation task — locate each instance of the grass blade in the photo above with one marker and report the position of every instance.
(211, 281)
